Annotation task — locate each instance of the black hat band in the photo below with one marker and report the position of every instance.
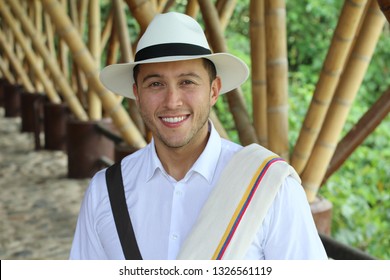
(170, 49)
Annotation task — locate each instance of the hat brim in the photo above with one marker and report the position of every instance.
(118, 78)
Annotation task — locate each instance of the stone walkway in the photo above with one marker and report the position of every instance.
(38, 203)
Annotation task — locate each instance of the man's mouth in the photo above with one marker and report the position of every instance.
(174, 120)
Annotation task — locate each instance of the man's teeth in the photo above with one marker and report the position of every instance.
(173, 119)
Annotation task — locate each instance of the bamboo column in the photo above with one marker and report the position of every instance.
(259, 78)
(50, 62)
(363, 128)
(15, 63)
(347, 89)
(384, 5)
(85, 61)
(236, 101)
(30, 55)
(327, 83)
(94, 103)
(277, 77)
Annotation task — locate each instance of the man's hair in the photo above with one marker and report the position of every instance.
(208, 65)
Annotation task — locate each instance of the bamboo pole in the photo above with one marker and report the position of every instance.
(361, 130)
(327, 83)
(161, 4)
(225, 10)
(121, 27)
(127, 56)
(347, 89)
(36, 14)
(15, 63)
(192, 8)
(5, 71)
(106, 32)
(79, 80)
(49, 35)
(113, 49)
(259, 78)
(384, 5)
(277, 77)
(30, 55)
(143, 11)
(84, 59)
(63, 51)
(82, 8)
(56, 73)
(94, 103)
(235, 99)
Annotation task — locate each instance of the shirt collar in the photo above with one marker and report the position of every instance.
(205, 165)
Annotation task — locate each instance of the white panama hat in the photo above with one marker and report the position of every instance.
(172, 37)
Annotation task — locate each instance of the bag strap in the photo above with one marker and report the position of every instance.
(122, 219)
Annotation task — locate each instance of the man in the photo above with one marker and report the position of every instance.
(175, 81)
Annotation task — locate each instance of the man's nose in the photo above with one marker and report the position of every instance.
(173, 98)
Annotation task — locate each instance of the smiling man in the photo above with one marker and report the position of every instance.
(177, 197)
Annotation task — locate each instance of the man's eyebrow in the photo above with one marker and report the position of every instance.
(151, 76)
(191, 74)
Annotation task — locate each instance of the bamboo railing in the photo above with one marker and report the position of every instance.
(51, 64)
(30, 55)
(16, 64)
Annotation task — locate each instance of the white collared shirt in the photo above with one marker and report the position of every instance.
(163, 210)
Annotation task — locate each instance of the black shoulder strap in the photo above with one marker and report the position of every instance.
(121, 214)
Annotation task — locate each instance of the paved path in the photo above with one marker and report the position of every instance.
(38, 203)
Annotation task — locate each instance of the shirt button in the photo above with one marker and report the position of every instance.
(178, 193)
(175, 236)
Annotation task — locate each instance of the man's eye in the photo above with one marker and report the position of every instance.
(155, 84)
(187, 82)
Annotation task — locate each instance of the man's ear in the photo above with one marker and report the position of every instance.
(135, 91)
(215, 89)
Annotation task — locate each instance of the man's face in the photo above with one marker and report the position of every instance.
(174, 99)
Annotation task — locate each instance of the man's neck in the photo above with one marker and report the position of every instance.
(178, 161)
